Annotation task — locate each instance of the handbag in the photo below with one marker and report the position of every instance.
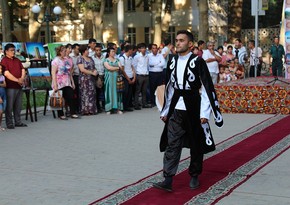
(120, 82)
(56, 101)
(99, 82)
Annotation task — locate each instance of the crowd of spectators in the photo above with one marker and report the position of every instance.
(89, 77)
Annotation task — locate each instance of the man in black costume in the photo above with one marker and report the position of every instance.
(189, 99)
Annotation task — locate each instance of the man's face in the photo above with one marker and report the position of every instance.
(10, 52)
(98, 51)
(77, 50)
(182, 43)
(250, 45)
(92, 45)
(210, 46)
(143, 50)
(276, 41)
(154, 50)
(237, 44)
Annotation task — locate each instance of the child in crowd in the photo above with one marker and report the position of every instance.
(2, 97)
(232, 67)
(195, 50)
(228, 76)
(240, 73)
(222, 74)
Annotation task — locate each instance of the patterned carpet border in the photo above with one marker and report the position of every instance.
(125, 193)
(242, 174)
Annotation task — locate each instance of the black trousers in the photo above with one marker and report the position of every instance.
(68, 95)
(76, 93)
(127, 94)
(252, 70)
(177, 125)
(155, 79)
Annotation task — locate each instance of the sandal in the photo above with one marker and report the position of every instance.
(2, 129)
(63, 117)
(74, 116)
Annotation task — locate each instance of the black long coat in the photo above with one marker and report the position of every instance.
(198, 137)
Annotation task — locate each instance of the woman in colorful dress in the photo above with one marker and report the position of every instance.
(113, 99)
(62, 80)
(87, 79)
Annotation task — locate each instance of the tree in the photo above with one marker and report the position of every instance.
(6, 23)
(235, 19)
(203, 20)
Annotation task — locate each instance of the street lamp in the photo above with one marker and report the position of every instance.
(48, 17)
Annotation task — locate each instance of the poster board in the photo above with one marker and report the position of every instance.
(35, 51)
(51, 49)
(286, 30)
(20, 50)
(40, 78)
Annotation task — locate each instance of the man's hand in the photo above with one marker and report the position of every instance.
(163, 118)
(203, 120)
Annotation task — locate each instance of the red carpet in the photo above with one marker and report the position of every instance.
(223, 171)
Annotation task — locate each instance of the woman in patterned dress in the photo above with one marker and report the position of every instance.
(62, 80)
(87, 79)
(113, 99)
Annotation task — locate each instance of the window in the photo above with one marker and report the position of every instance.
(171, 34)
(147, 35)
(53, 36)
(42, 37)
(146, 5)
(131, 5)
(108, 6)
(132, 36)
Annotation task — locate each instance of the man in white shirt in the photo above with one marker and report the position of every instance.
(212, 59)
(255, 60)
(99, 65)
(140, 63)
(240, 51)
(75, 54)
(156, 65)
(166, 52)
(189, 99)
(129, 77)
(92, 46)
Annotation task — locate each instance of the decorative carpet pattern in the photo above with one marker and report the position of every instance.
(223, 186)
(254, 95)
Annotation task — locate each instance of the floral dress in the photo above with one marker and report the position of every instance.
(63, 72)
(113, 99)
(87, 88)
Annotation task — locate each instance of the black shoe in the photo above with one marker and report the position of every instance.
(129, 109)
(10, 127)
(163, 186)
(137, 108)
(146, 106)
(21, 125)
(194, 183)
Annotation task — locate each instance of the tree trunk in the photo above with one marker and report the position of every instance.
(203, 20)
(98, 23)
(157, 22)
(6, 29)
(235, 19)
(167, 16)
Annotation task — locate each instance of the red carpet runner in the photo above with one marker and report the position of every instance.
(235, 160)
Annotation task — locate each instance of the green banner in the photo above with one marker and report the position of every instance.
(51, 49)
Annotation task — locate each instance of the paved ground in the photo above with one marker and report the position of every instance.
(54, 162)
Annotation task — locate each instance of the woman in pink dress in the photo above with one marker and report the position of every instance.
(62, 80)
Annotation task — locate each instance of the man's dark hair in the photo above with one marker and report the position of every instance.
(75, 45)
(68, 45)
(127, 48)
(91, 40)
(8, 45)
(167, 42)
(238, 39)
(187, 33)
(98, 45)
(141, 45)
(200, 42)
(252, 41)
(150, 46)
(111, 44)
